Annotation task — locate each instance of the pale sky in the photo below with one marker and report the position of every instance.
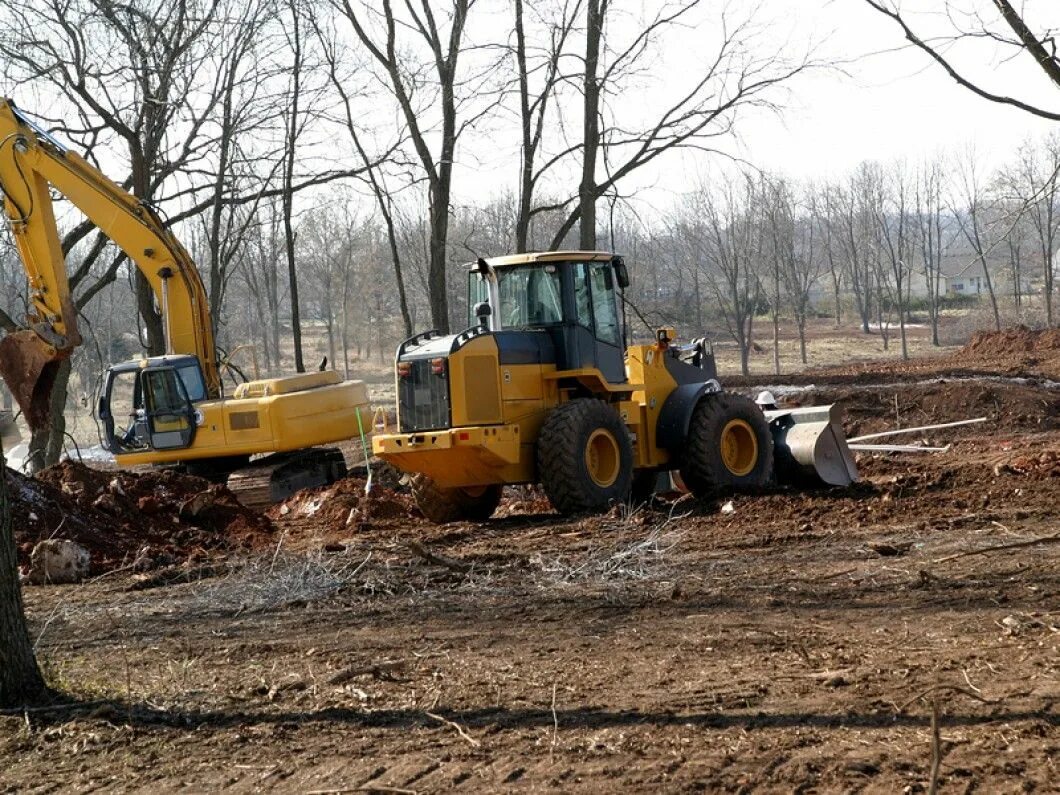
(896, 103)
(886, 101)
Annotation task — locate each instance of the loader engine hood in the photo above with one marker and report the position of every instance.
(449, 380)
(423, 381)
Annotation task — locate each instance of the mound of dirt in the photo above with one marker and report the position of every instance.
(1011, 341)
(116, 515)
(342, 508)
(1008, 406)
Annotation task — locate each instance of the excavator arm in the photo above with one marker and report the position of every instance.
(31, 160)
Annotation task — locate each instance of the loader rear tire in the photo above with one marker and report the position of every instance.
(584, 457)
(441, 505)
(728, 445)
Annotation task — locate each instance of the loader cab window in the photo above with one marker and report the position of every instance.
(594, 301)
(605, 312)
(530, 296)
(191, 379)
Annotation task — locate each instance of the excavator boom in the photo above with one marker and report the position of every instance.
(30, 161)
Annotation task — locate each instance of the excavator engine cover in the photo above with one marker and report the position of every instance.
(29, 366)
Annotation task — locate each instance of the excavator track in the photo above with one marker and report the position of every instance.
(276, 477)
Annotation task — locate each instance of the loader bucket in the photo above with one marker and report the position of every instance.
(809, 447)
(29, 366)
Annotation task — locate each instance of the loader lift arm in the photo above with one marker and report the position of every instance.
(31, 160)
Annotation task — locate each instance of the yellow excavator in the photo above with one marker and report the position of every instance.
(167, 410)
(543, 387)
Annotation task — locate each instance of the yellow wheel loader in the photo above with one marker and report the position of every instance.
(543, 388)
(164, 410)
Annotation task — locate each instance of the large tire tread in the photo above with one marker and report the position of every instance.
(702, 468)
(441, 505)
(561, 457)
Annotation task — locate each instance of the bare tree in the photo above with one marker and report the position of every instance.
(800, 258)
(374, 173)
(533, 109)
(824, 213)
(853, 222)
(407, 83)
(928, 212)
(889, 201)
(21, 682)
(1007, 34)
(724, 235)
(1035, 183)
(740, 72)
(294, 124)
(975, 212)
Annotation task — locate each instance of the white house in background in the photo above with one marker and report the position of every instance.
(964, 273)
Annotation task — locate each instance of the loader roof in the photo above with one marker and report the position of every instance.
(548, 256)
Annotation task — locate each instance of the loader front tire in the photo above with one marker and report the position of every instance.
(441, 505)
(729, 445)
(584, 457)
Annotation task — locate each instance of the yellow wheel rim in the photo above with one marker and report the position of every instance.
(739, 447)
(602, 458)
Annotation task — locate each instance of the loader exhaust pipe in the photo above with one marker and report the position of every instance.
(29, 367)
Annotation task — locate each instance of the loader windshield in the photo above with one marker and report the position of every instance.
(530, 295)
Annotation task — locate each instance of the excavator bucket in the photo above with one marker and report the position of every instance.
(810, 448)
(29, 366)
(9, 433)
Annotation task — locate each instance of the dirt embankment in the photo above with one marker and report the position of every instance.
(1017, 352)
(159, 517)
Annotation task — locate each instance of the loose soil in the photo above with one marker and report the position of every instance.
(799, 641)
(151, 518)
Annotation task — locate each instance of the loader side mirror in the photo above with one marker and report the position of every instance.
(621, 273)
(483, 311)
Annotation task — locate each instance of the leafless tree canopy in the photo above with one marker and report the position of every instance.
(1012, 29)
(322, 161)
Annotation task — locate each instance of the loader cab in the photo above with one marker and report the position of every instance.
(574, 298)
(149, 404)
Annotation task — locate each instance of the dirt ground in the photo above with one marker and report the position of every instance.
(835, 640)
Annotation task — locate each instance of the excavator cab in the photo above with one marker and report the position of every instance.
(150, 404)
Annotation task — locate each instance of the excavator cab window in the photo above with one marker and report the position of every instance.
(121, 411)
(169, 413)
(151, 407)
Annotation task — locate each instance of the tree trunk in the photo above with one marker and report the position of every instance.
(288, 186)
(993, 296)
(587, 189)
(526, 166)
(21, 682)
(46, 444)
(436, 284)
(802, 338)
(776, 342)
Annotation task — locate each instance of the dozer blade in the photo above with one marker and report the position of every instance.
(29, 366)
(809, 447)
